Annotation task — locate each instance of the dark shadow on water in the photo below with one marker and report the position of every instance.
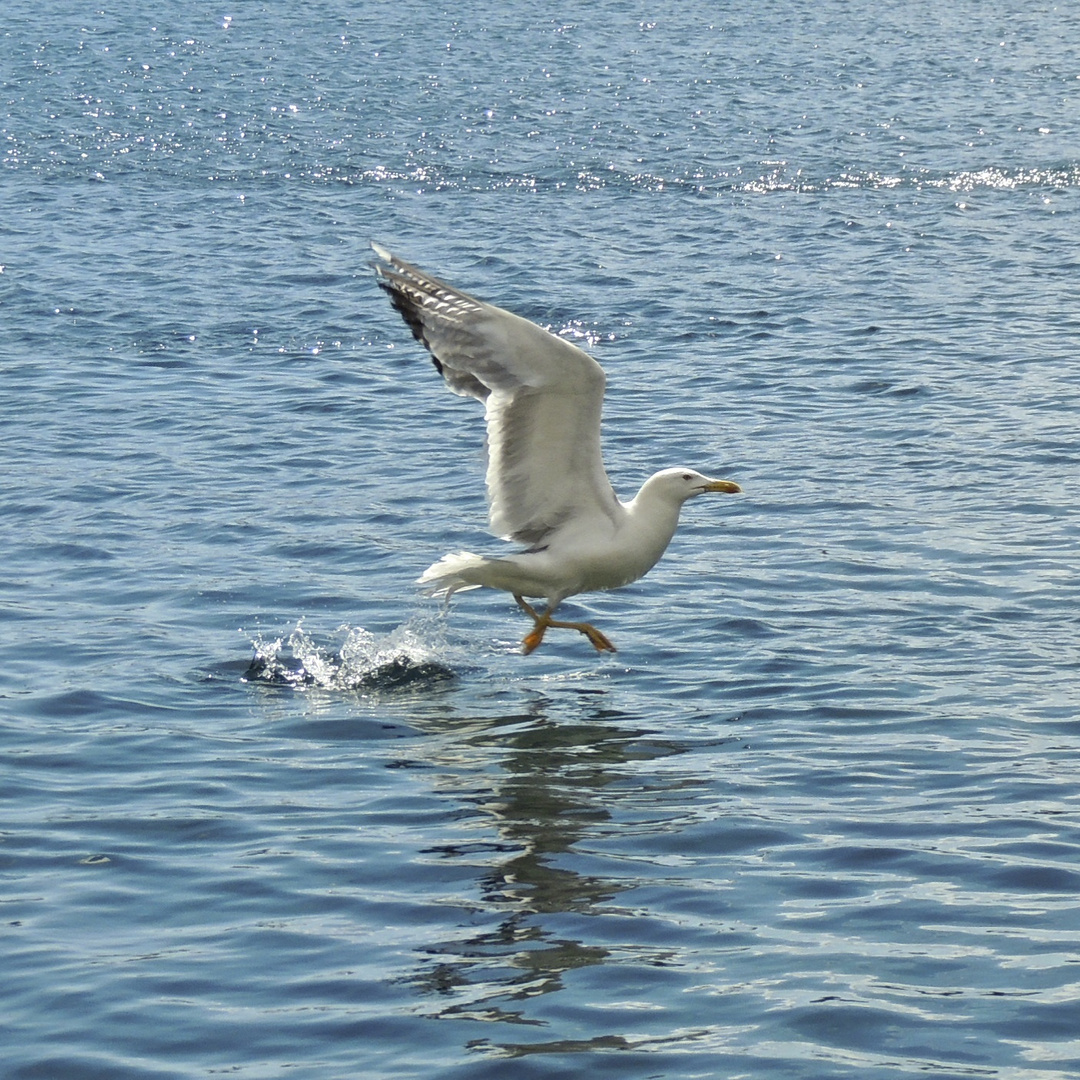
(556, 774)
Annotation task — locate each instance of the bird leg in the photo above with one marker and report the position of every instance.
(532, 640)
(542, 622)
(600, 641)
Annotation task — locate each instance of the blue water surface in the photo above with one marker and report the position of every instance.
(266, 811)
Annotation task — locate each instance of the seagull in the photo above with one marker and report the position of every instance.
(547, 488)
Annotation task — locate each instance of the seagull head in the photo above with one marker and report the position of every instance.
(682, 484)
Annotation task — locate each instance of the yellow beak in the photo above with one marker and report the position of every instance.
(723, 485)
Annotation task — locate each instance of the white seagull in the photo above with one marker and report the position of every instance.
(546, 484)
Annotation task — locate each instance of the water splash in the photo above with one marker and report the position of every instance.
(414, 654)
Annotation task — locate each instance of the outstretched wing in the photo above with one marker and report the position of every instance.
(543, 399)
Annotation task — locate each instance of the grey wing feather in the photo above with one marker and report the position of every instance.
(543, 399)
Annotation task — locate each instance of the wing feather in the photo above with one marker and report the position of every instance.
(543, 399)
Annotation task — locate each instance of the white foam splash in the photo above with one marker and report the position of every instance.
(415, 652)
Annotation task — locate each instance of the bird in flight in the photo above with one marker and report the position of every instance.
(547, 488)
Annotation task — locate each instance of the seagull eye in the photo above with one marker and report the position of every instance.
(687, 476)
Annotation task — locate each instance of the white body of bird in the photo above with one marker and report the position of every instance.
(584, 555)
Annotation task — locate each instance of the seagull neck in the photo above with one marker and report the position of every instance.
(654, 514)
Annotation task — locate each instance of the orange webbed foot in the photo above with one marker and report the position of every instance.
(600, 641)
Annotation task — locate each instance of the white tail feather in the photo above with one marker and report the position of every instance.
(451, 574)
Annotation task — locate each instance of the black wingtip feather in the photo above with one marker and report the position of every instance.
(396, 278)
(407, 310)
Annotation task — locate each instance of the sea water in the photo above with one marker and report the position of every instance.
(266, 811)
